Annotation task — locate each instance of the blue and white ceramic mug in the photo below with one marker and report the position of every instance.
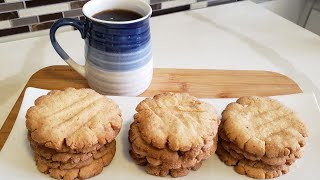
(118, 54)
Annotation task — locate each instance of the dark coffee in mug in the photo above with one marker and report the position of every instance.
(117, 15)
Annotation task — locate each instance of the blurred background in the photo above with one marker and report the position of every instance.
(23, 18)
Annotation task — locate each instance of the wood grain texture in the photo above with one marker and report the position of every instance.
(200, 83)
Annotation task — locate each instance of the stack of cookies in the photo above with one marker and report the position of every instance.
(260, 137)
(172, 134)
(72, 132)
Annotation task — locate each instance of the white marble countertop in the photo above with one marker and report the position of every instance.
(239, 36)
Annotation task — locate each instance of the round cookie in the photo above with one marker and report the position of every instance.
(254, 169)
(73, 119)
(50, 154)
(62, 166)
(167, 158)
(260, 171)
(88, 171)
(263, 127)
(226, 157)
(236, 152)
(179, 122)
(160, 171)
(142, 161)
(48, 151)
(71, 165)
(232, 152)
(240, 154)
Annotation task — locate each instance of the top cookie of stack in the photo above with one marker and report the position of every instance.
(73, 120)
(76, 122)
(173, 133)
(260, 137)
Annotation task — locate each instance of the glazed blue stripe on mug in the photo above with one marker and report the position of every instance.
(119, 38)
(118, 53)
(118, 29)
(116, 39)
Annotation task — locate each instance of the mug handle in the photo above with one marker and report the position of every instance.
(80, 26)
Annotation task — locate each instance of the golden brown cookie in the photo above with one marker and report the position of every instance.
(225, 157)
(93, 169)
(53, 155)
(73, 158)
(144, 161)
(48, 151)
(63, 166)
(254, 169)
(179, 122)
(263, 127)
(260, 171)
(161, 171)
(73, 119)
(72, 165)
(240, 154)
(165, 157)
(138, 159)
(232, 152)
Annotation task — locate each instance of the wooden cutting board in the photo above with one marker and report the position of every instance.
(200, 83)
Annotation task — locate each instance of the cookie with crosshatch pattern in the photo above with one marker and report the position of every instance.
(175, 120)
(72, 132)
(173, 133)
(260, 137)
(263, 127)
(73, 120)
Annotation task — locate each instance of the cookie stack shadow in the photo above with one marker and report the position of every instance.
(260, 137)
(173, 134)
(72, 133)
